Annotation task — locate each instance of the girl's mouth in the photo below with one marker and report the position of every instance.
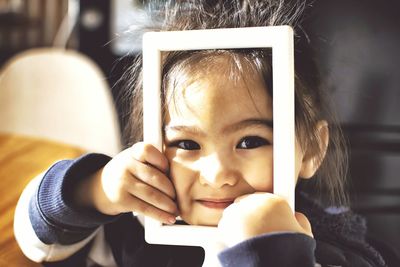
(215, 203)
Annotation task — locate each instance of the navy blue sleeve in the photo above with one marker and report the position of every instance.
(52, 215)
(277, 249)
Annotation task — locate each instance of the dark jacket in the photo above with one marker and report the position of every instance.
(339, 235)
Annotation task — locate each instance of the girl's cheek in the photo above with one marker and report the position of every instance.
(182, 176)
(259, 173)
(261, 182)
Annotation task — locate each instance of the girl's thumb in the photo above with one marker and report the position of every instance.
(304, 223)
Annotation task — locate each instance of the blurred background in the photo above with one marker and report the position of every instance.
(95, 28)
(357, 45)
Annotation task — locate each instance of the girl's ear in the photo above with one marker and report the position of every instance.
(313, 159)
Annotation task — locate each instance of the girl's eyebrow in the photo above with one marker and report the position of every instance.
(228, 129)
(248, 123)
(194, 130)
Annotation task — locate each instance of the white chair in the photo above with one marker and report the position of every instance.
(60, 95)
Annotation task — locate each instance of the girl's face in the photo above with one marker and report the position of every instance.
(219, 142)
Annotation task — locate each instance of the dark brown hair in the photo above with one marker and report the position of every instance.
(311, 104)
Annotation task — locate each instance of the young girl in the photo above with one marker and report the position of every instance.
(215, 169)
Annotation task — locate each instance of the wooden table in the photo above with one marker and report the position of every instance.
(21, 159)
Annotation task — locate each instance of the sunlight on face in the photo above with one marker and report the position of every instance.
(218, 140)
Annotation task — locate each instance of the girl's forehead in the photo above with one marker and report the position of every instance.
(219, 69)
(217, 93)
(194, 68)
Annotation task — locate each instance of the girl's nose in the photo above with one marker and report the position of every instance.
(217, 172)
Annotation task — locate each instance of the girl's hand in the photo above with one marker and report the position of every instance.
(134, 180)
(257, 214)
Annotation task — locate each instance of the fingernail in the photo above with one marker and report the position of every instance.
(171, 220)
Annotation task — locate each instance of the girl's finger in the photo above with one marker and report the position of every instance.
(137, 205)
(151, 195)
(304, 222)
(148, 154)
(152, 177)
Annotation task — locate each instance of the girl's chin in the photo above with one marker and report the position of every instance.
(202, 219)
(202, 223)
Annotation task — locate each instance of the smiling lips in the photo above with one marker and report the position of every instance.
(216, 203)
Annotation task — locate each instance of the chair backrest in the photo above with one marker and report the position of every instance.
(60, 95)
(357, 46)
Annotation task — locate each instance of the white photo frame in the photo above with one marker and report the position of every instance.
(280, 40)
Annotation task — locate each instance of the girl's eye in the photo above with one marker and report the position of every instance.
(250, 142)
(186, 145)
